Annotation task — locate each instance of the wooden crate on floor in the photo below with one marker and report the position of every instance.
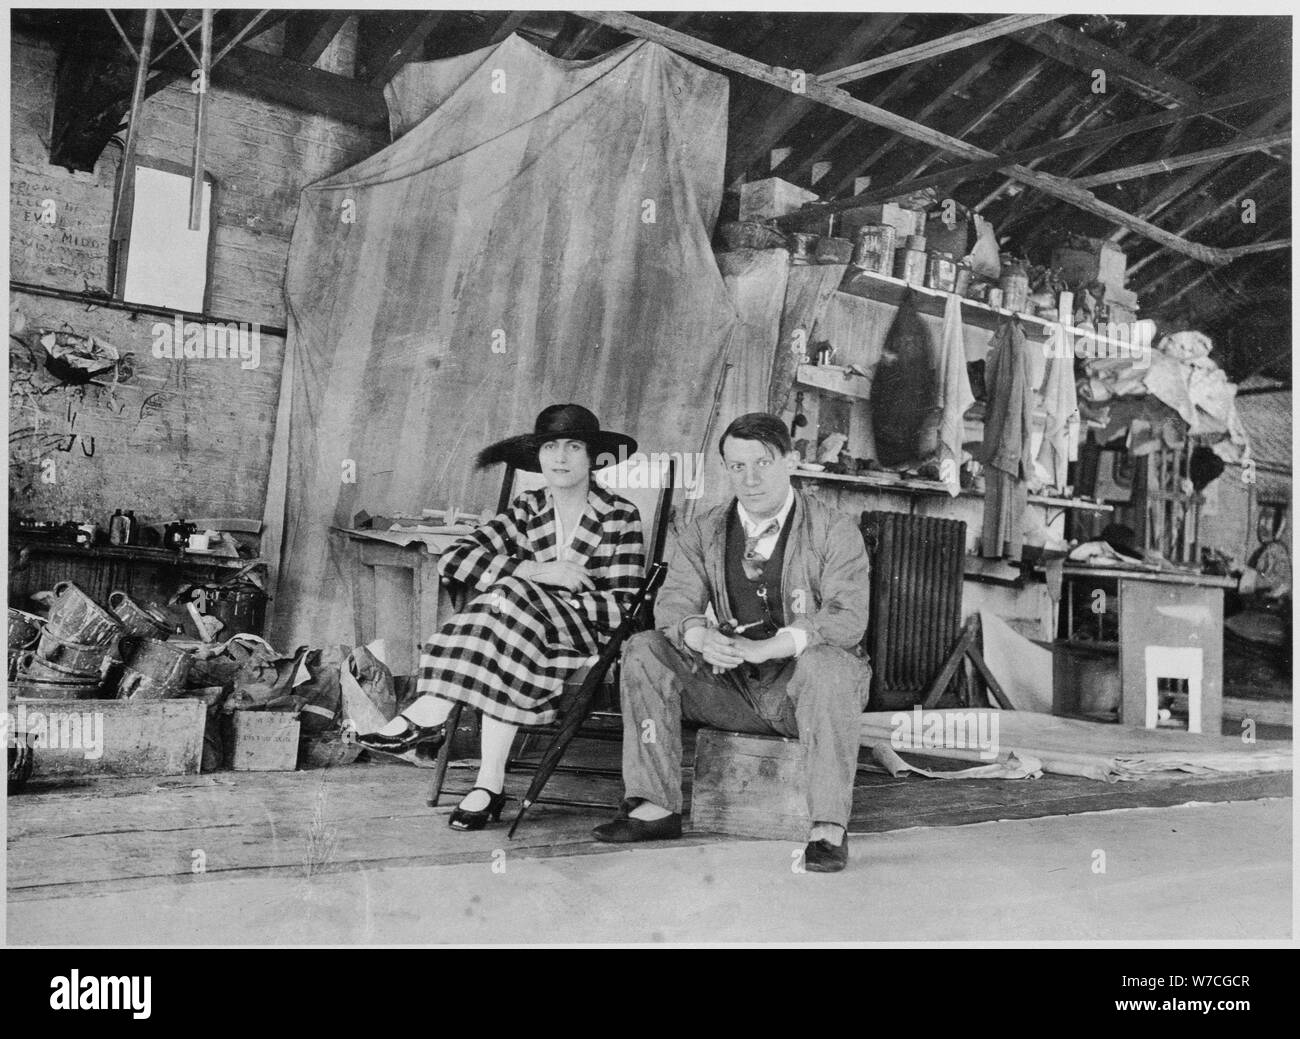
(113, 737)
(262, 741)
(751, 786)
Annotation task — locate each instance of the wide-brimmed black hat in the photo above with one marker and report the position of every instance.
(560, 422)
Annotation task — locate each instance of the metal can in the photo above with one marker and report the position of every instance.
(874, 248)
(941, 271)
(910, 261)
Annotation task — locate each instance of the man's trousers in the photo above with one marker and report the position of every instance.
(818, 697)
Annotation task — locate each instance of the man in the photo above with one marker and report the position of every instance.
(760, 618)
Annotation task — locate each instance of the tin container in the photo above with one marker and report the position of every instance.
(874, 248)
(940, 271)
(802, 248)
(137, 619)
(910, 260)
(76, 617)
(1014, 283)
(962, 283)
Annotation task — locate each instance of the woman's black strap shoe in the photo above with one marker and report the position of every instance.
(461, 819)
(430, 737)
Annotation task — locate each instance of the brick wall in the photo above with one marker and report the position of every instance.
(168, 438)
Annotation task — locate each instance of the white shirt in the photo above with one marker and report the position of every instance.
(766, 545)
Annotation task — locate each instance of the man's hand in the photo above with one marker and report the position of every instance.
(569, 576)
(717, 649)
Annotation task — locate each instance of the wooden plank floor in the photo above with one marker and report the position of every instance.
(103, 834)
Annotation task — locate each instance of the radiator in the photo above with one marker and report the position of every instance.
(917, 566)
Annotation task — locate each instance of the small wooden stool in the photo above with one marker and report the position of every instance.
(750, 786)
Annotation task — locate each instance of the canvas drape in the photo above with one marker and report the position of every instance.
(537, 233)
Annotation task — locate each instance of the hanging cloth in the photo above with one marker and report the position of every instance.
(1006, 448)
(954, 393)
(1061, 403)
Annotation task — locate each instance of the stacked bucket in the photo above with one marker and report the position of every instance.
(84, 650)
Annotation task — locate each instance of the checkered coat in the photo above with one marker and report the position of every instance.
(512, 647)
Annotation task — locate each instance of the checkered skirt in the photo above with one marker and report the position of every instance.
(515, 643)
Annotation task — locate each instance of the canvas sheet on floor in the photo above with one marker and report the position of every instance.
(538, 232)
(1077, 748)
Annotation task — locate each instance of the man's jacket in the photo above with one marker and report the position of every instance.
(825, 581)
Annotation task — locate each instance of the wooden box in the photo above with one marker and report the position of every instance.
(113, 737)
(751, 786)
(262, 741)
(771, 198)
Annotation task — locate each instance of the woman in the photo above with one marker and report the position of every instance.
(550, 575)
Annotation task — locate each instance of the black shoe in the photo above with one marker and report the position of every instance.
(431, 737)
(625, 830)
(824, 857)
(461, 819)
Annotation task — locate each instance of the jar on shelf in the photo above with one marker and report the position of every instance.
(874, 248)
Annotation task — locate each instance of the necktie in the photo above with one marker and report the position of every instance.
(752, 561)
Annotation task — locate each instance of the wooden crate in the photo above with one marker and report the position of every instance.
(113, 737)
(262, 741)
(751, 786)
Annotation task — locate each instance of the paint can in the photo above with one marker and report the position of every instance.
(136, 619)
(802, 248)
(873, 249)
(940, 271)
(909, 262)
(154, 670)
(76, 617)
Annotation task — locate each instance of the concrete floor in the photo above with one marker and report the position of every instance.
(1200, 872)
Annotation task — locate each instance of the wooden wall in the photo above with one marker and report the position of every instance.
(166, 437)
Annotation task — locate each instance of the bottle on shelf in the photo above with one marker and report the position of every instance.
(117, 527)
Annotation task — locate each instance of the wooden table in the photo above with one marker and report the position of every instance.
(397, 594)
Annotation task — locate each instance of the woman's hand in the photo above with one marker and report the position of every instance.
(569, 576)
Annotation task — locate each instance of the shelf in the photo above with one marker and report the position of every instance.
(833, 379)
(882, 288)
(916, 486)
(133, 553)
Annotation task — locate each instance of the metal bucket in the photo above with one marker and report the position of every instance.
(24, 630)
(76, 617)
(154, 670)
(79, 657)
(137, 619)
(31, 668)
(48, 689)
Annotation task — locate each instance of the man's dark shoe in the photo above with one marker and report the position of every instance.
(625, 830)
(824, 857)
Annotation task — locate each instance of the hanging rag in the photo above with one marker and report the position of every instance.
(954, 394)
(1006, 449)
(1061, 403)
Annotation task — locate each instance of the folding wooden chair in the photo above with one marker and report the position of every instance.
(603, 724)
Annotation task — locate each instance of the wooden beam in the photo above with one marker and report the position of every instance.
(973, 72)
(1147, 169)
(793, 109)
(895, 87)
(974, 123)
(312, 39)
(1175, 190)
(839, 99)
(121, 219)
(957, 174)
(932, 49)
(408, 48)
(512, 21)
(1082, 52)
(201, 120)
(570, 48)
